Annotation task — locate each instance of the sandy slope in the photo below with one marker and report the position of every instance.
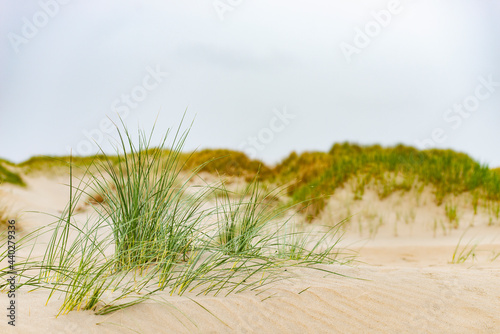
(404, 284)
(392, 300)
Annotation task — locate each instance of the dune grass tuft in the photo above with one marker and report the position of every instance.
(462, 254)
(452, 215)
(152, 232)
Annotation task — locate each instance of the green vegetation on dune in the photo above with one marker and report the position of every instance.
(45, 163)
(6, 162)
(226, 162)
(317, 175)
(311, 177)
(214, 161)
(153, 232)
(8, 176)
(150, 230)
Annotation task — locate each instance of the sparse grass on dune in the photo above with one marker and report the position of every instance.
(463, 253)
(451, 214)
(152, 232)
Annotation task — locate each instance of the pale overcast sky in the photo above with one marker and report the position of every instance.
(266, 77)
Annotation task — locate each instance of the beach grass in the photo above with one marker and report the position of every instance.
(464, 252)
(152, 232)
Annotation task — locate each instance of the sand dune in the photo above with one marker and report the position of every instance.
(390, 300)
(401, 284)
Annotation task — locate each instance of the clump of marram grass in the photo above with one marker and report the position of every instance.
(255, 224)
(152, 232)
(241, 221)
